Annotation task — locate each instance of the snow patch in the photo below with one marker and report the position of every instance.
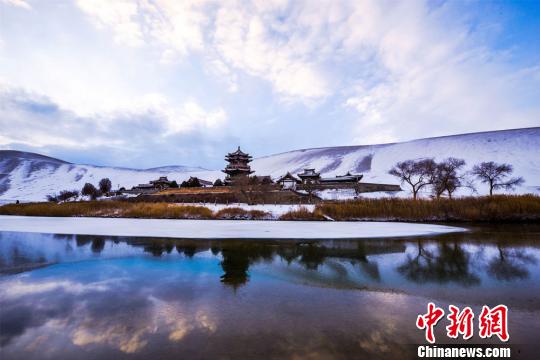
(218, 229)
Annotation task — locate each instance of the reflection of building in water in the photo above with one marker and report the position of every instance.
(235, 264)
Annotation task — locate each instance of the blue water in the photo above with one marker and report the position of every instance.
(90, 297)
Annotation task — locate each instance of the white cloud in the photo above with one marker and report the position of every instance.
(246, 39)
(235, 35)
(390, 71)
(41, 122)
(18, 3)
(191, 115)
(178, 25)
(120, 15)
(436, 79)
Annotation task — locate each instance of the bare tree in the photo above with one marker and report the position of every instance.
(446, 176)
(245, 187)
(191, 182)
(105, 185)
(416, 173)
(67, 194)
(90, 190)
(309, 187)
(496, 176)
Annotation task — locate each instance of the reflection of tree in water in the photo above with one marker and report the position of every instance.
(82, 240)
(371, 269)
(238, 256)
(235, 264)
(510, 264)
(98, 244)
(169, 246)
(288, 253)
(448, 263)
(312, 256)
(155, 247)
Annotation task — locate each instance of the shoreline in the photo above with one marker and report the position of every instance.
(496, 209)
(217, 229)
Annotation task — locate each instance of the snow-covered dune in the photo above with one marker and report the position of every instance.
(519, 147)
(31, 177)
(27, 176)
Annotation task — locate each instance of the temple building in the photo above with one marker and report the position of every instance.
(288, 181)
(347, 178)
(309, 176)
(238, 165)
(154, 185)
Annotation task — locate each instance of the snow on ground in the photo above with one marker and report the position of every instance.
(30, 177)
(518, 147)
(275, 210)
(218, 229)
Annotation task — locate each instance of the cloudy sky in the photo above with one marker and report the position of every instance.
(143, 83)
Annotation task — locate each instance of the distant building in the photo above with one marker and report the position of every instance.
(288, 181)
(310, 180)
(309, 176)
(238, 165)
(347, 178)
(159, 184)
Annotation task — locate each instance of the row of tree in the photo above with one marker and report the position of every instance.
(449, 175)
(104, 187)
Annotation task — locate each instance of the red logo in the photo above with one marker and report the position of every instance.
(429, 320)
(460, 322)
(492, 321)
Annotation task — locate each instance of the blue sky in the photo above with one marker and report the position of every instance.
(155, 82)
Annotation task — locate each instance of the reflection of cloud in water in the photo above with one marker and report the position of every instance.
(298, 303)
(18, 288)
(177, 321)
(116, 335)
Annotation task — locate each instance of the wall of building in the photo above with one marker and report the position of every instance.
(362, 187)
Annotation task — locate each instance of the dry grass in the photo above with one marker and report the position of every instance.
(502, 208)
(167, 211)
(236, 213)
(302, 214)
(109, 209)
(523, 208)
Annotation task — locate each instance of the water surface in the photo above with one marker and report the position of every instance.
(72, 296)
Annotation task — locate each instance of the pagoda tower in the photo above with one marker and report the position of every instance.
(238, 165)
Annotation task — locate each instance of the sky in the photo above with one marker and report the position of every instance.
(146, 83)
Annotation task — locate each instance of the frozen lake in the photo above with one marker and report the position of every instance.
(219, 229)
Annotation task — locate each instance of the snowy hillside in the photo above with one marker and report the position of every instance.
(28, 176)
(31, 177)
(519, 147)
